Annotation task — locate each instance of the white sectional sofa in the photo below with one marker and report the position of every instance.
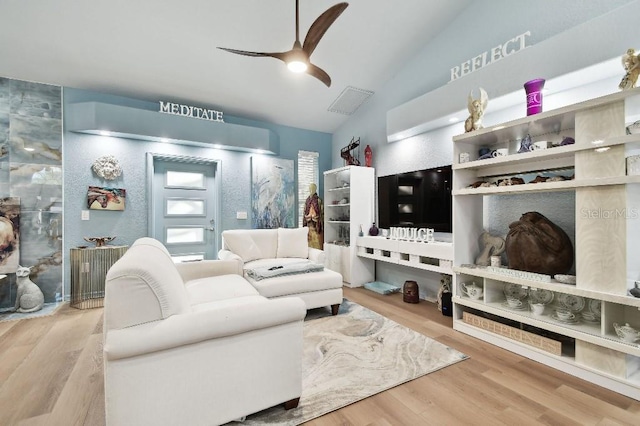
(194, 343)
(262, 249)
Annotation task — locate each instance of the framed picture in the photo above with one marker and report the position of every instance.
(273, 200)
(100, 198)
(9, 234)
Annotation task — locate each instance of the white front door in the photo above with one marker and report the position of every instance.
(185, 205)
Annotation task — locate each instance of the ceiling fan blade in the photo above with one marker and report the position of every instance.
(319, 73)
(321, 25)
(278, 55)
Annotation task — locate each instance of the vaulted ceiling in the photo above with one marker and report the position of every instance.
(166, 50)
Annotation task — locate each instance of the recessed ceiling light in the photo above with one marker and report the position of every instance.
(105, 133)
(603, 149)
(597, 142)
(164, 140)
(454, 120)
(498, 128)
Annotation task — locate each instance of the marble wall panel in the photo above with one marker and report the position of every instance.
(35, 99)
(4, 179)
(43, 135)
(31, 116)
(4, 95)
(38, 186)
(41, 249)
(4, 130)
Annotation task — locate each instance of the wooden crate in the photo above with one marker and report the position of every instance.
(509, 332)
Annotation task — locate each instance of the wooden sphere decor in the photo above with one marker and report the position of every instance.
(410, 292)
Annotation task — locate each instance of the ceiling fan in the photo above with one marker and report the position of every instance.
(298, 58)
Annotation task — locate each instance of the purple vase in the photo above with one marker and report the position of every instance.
(534, 95)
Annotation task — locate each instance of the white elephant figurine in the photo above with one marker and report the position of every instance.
(29, 297)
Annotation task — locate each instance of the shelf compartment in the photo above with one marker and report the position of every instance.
(525, 337)
(535, 160)
(585, 332)
(554, 121)
(549, 186)
(554, 286)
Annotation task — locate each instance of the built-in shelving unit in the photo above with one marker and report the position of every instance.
(434, 257)
(348, 208)
(606, 245)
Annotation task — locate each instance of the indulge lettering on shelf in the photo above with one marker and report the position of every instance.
(191, 111)
(492, 55)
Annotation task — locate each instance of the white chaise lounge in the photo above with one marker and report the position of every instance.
(269, 248)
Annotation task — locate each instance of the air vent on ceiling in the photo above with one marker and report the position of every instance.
(350, 100)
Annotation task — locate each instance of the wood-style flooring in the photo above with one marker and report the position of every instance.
(51, 374)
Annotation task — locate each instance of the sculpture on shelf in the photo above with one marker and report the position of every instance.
(492, 245)
(476, 109)
(313, 218)
(445, 287)
(100, 241)
(368, 156)
(29, 297)
(525, 144)
(107, 167)
(631, 64)
(345, 153)
(535, 244)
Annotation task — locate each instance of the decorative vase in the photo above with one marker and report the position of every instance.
(368, 160)
(635, 291)
(374, 231)
(410, 292)
(533, 88)
(360, 233)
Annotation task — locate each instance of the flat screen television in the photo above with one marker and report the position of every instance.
(419, 199)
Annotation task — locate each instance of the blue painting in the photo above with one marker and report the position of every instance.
(273, 200)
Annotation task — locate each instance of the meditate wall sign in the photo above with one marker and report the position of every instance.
(191, 111)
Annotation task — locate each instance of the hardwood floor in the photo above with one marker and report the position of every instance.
(51, 374)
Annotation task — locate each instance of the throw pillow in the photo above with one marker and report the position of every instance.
(293, 242)
(242, 244)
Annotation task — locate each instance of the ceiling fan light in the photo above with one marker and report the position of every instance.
(297, 66)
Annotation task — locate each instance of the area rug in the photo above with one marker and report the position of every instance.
(352, 356)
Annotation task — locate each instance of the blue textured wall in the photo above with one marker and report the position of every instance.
(81, 150)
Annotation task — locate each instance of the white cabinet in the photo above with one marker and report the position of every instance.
(607, 239)
(348, 207)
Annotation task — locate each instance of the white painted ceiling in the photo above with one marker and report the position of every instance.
(166, 50)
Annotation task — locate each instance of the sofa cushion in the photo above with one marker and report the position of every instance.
(221, 287)
(292, 242)
(143, 286)
(236, 302)
(251, 244)
(296, 284)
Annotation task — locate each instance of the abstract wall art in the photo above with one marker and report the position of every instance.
(273, 201)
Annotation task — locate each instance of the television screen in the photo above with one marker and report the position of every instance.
(420, 199)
